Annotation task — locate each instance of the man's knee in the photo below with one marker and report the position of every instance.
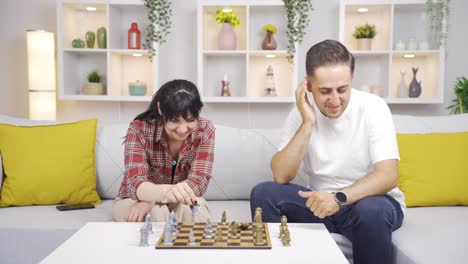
(263, 189)
(375, 210)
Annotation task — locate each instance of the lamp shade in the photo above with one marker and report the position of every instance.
(41, 75)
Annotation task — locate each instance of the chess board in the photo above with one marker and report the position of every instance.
(244, 239)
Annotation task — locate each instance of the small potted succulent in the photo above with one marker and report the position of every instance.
(364, 34)
(93, 86)
(269, 42)
(227, 39)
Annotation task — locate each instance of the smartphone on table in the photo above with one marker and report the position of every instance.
(68, 207)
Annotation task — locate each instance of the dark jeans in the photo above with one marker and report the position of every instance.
(368, 223)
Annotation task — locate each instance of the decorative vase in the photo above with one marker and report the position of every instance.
(227, 39)
(412, 44)
(364, 44)
(269, 42)
(402, 89)
(102, 38)
(400, 45)
(78, 43)
(93, 89)
(90, 38)
(134, 37)
(415, 86)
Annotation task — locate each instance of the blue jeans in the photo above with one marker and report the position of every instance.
(368, 223)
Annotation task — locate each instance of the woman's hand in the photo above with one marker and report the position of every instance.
(138, 211)
(181, 193)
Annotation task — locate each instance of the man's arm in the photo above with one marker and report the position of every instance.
(383, 179)
(286, 162)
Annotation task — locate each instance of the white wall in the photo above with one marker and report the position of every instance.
(16, 16)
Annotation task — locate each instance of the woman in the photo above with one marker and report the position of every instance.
(169, 152)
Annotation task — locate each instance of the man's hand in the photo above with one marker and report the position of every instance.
(322, 204)
(137, 211)
(181, 193)
(303, 104)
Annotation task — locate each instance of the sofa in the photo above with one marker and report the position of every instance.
(428, 235)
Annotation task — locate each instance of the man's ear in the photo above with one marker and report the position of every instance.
(309, 83)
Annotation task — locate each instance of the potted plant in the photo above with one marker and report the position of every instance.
(460, 105)
(297, 14)
(269, 42)
(227, 39)
(93, 86)
(159, 14)
(364, 34)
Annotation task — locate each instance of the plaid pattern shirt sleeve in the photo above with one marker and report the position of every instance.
(202, 164)
(136, 164)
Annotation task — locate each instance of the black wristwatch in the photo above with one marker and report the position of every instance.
(341, 199)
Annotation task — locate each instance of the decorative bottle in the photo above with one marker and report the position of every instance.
(415, 86)
(225, 91)
(402, 89)
(134, 37)
(270, 89)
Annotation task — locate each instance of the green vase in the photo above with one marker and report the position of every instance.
(90, 38)
(78, 43)
(102, 38)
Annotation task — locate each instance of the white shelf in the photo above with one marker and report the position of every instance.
(246, 66)
(116, 64)
(381, 66)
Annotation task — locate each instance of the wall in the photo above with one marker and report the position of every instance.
(16, 16)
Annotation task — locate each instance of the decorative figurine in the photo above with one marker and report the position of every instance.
(270, 89)
(134, 37)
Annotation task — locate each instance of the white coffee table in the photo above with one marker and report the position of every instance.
(118, 243)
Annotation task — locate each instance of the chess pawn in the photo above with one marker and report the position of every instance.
(286, 238)
(234, 229)
(143, 237)
(191, 238)
(219, 235)
(148, 224)
(168, 234)
(270, 89)
(258, 240)
(223, 217)
(258, 215)
(208, 230)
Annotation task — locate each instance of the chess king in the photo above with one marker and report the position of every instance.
(169, 153)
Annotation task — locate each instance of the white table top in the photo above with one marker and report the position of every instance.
(112, 242)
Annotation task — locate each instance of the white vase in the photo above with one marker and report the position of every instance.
(402, 88)
(227, 39)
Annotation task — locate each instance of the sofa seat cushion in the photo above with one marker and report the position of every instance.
(432, 235)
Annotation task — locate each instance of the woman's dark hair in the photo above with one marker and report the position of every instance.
(176, 98)
(328, 52)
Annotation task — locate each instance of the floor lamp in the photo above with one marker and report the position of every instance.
(41, 75)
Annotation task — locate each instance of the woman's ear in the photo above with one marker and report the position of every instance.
(159, 110)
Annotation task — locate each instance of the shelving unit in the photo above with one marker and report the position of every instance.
(395, 20)
(117, 65)
(246, 65)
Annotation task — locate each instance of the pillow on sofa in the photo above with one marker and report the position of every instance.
(49, 164)
(433, 168)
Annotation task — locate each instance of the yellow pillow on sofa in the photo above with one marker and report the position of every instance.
(433, 168)
(49, 164)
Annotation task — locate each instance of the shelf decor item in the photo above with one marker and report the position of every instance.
(402, 88)
(415, 86)
(297, 13)
(137, 88)
(78, 43)
(412, 44)
(460, 105)
(102, 38)
(134, 37)
(225, 90)
(227, 39)
(364, 34)
(159, 15)
(400, 45)
(93, 86)
(90, 39)
(269, 42)
(438, 12)
(270, 87)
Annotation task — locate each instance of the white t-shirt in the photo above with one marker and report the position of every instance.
(343, 150)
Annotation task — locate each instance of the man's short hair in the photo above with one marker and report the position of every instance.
(328, 52)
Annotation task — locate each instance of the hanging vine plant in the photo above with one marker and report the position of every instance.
(438, 12)
(159, 15)
(297, 13)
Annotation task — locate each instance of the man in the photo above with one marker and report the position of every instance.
(346, 142)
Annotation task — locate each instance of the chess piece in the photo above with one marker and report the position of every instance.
(270, 89)
(219, 235)
(173, 222)
(258, 215)
(259, 232)
(195, 213)
(283, 225)
(143, 237)
(223, 218)
(286, 240)
(191, 238)
(147, 225)
(168, 234)
(208, 230)
(234, 229)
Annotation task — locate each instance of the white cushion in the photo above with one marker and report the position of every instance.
(430, 124)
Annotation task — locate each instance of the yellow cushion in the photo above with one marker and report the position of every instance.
(433, 168)
(49, 164)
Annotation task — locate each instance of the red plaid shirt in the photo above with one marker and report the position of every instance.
(147, 157)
